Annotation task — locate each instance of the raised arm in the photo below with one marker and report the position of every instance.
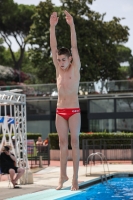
(74, 49)
(53, 42)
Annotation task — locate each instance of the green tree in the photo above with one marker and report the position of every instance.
(2, 48)
(5, 55)
(15, 21)
(27, 73)
(40, 53)
(123, 53)
(131, 67)
(123, 57)
(27, 67)
(97, 40)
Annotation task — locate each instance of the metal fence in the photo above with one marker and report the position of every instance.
(113, 149)
(85, 88)
(38, 155)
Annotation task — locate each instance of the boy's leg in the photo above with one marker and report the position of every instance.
(62, 130)
(74, 125)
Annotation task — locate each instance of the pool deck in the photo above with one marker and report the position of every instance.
(46, 180)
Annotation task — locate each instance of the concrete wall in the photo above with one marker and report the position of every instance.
(112, 154)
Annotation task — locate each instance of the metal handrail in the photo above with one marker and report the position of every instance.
(103, 159)
(105, 145)
(85, 88)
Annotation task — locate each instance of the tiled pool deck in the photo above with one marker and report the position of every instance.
(46, 180)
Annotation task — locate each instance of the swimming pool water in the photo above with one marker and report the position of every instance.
(115, 188)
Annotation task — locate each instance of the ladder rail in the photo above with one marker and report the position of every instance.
(103, 160)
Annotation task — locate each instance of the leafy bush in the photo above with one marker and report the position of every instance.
(33, 136)
(122, 138)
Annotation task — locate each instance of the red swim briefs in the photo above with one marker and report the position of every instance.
(67, 112)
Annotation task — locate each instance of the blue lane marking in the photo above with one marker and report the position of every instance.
(50, 194)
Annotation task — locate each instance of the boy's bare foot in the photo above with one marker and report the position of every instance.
(74, 185)
(61, 181)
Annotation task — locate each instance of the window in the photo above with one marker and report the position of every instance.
(102, 106)
(38, 108)
(125, 125)
(124, 105)
(101, 125)
(84, 115)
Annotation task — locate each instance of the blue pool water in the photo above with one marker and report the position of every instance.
(113, 189)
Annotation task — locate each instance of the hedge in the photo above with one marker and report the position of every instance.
(122, 138)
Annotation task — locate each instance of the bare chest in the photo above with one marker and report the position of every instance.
(67, 79)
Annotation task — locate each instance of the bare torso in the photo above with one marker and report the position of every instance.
(67, 85)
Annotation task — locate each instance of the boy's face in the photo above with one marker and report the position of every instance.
(64, 61)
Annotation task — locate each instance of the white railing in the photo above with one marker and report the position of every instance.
(85, 88)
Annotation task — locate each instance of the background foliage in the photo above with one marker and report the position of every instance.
(121, 138)
(100, 43)
(97, 40)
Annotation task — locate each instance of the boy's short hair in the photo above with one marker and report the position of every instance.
(64, 51)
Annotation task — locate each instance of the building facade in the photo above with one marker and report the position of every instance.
(105, 106)
(99, 113)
